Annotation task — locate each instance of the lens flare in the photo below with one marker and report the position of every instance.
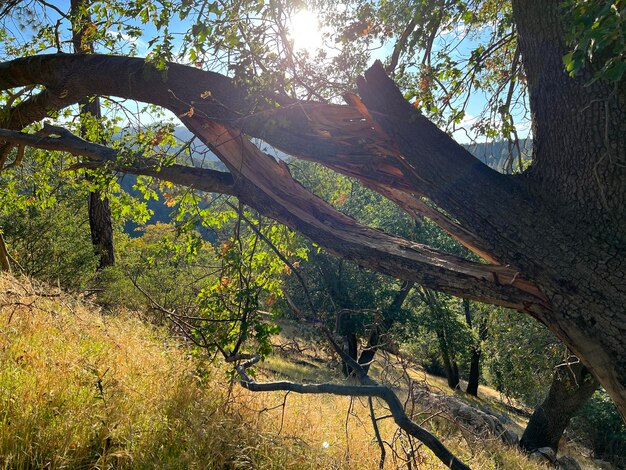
(305, 32)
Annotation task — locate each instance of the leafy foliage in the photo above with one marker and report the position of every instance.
(52, 243)
(437, 334)
(250, 276)
(520, 356)
(600, 426)
(598, 36)
(161, 263)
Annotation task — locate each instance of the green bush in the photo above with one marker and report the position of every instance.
(169, 268)
(52, 244)
(601, 428)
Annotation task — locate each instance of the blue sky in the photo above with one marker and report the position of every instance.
(475, 104)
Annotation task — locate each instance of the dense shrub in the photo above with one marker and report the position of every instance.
(601, 428)
(53, 243)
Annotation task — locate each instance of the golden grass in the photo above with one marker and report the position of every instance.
(79, 389)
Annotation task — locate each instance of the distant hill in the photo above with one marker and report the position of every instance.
(495, 154)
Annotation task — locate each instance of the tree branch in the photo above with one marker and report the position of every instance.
(267, 186)
(375, 390)
(100, 155)
(344, 138)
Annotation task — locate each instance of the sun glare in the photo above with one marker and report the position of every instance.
(305, 31)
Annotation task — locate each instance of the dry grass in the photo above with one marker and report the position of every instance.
(82, 390)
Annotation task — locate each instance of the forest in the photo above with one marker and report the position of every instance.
(310, 234)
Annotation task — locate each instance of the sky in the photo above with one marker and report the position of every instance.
(305, 34)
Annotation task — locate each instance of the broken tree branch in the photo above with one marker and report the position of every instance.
(345, 138)
(277, 195)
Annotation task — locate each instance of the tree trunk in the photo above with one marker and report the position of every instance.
(5, 265)
(350, 347)
(100, 225)
(474, 373)
(578, 171)
(449, 364)
(445, 349)
(368, 353)
(101, 228)
(375, 339)
(572, 385)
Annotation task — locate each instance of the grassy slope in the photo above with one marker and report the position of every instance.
(83, 390)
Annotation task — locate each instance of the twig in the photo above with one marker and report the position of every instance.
(376, 390)
(381, 444)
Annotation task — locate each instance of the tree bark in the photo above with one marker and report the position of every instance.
(572, 385)
(578, 172)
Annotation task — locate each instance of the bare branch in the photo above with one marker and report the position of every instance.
(379, 391)
(381, 444)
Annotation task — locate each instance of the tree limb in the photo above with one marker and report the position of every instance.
(344, 138)
(100, 155)
(285, 200)
(375, 390)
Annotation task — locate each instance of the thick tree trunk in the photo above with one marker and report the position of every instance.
(578, 172)
(571, 387)
(580, 265)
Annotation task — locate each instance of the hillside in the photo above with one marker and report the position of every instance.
(80, 388)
